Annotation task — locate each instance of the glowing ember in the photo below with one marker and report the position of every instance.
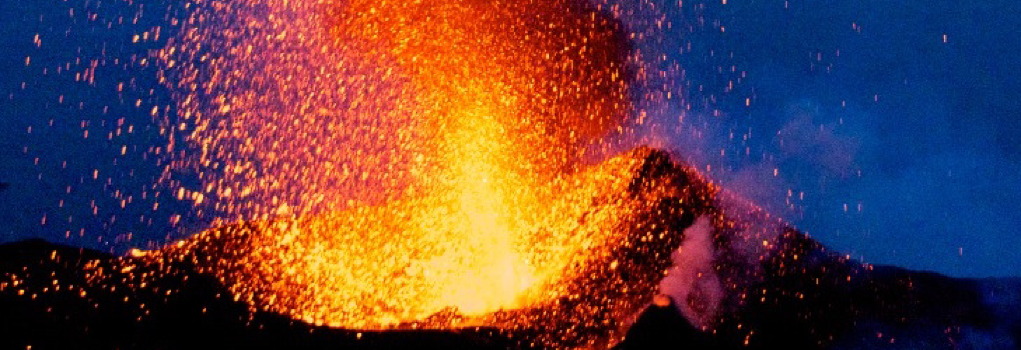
(379, 165)
(396, 265)
(313, 106)
(402, 160)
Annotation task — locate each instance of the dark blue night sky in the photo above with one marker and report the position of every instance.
(886, 129)
(866, 103)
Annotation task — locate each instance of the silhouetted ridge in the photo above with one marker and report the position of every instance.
(778, 289)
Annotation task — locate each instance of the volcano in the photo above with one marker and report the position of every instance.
(733, 276)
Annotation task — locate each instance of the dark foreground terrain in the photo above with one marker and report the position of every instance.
(792, 295)
(198, 314)
(926, 310)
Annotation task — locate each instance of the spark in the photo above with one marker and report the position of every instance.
(403, 164)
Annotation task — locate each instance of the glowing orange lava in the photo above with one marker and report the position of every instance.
(403, 163)
(404, 264)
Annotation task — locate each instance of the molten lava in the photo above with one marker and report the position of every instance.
(396, 265)
(403, 163)
(315, 106)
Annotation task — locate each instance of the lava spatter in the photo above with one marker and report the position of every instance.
(399, 160)
(312, 106)
(593, 260)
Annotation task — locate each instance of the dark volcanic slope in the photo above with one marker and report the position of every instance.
(197, 313)
(777, 289)
(888, 308)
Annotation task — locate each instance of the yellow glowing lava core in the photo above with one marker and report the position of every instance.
(440, 265)
(402, 162)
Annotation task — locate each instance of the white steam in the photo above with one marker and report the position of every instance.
(692, 282)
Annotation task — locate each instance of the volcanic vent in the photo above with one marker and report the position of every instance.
(747, 281)
(393, 162)
(624, 217)
(380, 166)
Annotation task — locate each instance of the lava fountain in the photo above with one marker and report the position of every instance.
(407, 164)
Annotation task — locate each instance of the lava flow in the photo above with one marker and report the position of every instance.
(402, 164)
